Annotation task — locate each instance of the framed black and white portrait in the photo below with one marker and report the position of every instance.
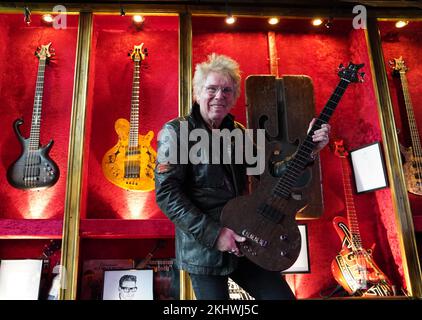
(368, 168)
(20, 279)
(129, 284)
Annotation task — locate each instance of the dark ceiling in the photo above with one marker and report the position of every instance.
(391, 6)
(259, 3)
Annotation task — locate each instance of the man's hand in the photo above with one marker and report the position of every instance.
(227, 239)
(321, 136)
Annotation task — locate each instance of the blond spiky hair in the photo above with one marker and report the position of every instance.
(216, 63)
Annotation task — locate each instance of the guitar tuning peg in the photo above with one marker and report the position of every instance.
(362, 74)
(35, 53)
(341, 66)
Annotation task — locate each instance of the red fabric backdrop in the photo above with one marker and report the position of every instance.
(303, 49)
(18, 71)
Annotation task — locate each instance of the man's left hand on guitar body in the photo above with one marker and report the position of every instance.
(227, 241)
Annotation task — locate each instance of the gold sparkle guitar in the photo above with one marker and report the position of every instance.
(413, 155)
(130, 163)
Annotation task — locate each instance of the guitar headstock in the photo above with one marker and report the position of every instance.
(398, 65)
(138, 53)
(45, 52)
(350, 73)
(339, 149)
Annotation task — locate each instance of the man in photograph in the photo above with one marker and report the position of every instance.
(127, 287)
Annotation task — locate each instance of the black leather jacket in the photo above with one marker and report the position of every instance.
(193, 195)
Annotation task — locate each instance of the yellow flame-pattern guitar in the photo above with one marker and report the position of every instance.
(130, 163)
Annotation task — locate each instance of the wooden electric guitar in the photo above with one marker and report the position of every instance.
(413, 155)
(130, 163)
(267, 217)
(354, 268)
(34, 168)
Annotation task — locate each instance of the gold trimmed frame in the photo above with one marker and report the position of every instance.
(404, 218)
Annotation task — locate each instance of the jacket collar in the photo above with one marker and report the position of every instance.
(197, 120)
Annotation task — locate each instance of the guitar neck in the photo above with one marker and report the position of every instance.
(416, 144)
(134, 111)
(301, 158)
(34, 138)
(350, 205)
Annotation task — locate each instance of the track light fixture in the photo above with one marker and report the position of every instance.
(47, 19)
(122, 11)
(316, 22)
(273, 20)
(27, 15)
(230, 19)
(329, 23)
(138, 20)
(401, 24)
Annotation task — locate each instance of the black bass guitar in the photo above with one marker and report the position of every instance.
(267, 217)
(34, 169)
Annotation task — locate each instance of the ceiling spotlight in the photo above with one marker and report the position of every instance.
(273, 20)
(230, 19)
(316, 22)
(329, 23)
(138, 19)
(27, 15)
(47, 19)
(401, 23)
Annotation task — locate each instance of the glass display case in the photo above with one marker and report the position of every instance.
(114, 82)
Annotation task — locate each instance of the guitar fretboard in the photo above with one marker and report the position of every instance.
(350, 206)
(416, 143)
(134, 113)
(298, 163)
(34, 138)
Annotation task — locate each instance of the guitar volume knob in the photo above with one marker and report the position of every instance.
(283, 237)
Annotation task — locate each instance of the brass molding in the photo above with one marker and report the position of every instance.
(185, 63)
(404, 218)
(70, 242)
(186, 290)
(185, 102)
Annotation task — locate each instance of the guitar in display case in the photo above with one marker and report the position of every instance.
(413, 155)
(354, 267)
(34, 169)
(267, 217)
(130, 163)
